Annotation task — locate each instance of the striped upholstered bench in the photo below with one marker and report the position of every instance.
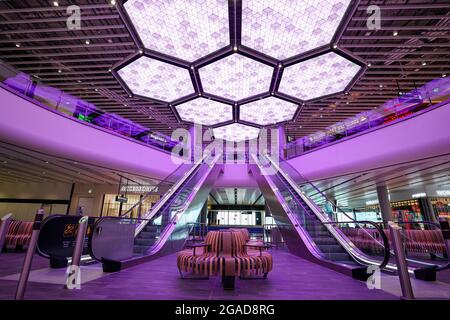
(224, 254)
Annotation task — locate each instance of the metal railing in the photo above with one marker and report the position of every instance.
(85, 112)
(405, 106)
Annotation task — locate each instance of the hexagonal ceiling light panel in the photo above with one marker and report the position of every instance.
(285, 28)
(236, 77)
(267, 111)
(320, 76)
(236, 132)
(187, 30)
(155, 79)
(205, 111)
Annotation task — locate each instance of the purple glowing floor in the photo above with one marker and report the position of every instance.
(292, 278)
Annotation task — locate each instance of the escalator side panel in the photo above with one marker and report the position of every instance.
(179, 230)
(293, 235)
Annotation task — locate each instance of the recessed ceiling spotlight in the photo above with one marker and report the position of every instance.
(347, 102)
(334, 46)
(416, 69)
(381, 86)
(47, 162)
(141, 51)
(321, 116)
(96, 89)
(5, 162)
(88, 41)
(280, 65)
(424, 63)
(113, 2)
(59, 70)
(369, 64)
(79, 81)
(235, 48)
(55, 3)
(18, 45)
(444, 75)
(130, 96)
(109, 70)
(395, 33)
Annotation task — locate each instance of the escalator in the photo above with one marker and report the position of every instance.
(164, 228)
(350, 247)
(309, 233)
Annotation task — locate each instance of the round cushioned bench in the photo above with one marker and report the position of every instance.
(224, 254)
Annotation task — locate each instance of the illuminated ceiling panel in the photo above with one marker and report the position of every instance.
(204, 111)
(157, 80)
(236, 77)
(285, 28)
(184, 29)
(236, 132)
(323, 75)
(268, 111)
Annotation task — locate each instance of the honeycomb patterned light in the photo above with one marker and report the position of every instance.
(236, 77)
(156, 79)
(323, 75)
(236, 132)
(285, 28)
(267, 111)
(186, 29)
(204, 111)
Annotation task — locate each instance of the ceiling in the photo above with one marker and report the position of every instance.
(401, 180)
(236, 196)
(410, 49)
(20, 165)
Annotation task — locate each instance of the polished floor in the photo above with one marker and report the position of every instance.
(292, 278)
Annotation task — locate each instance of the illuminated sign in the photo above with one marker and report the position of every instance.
(371, 202)
(419, 195)
(443, 193)
(138, 189)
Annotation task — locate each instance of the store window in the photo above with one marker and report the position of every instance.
(236, 218)
(441, 207)
(112, 208)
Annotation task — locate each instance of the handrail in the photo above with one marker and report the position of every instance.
(326, 221)
(386, 246)
(165, 232)
(153, 211)
(321, 193)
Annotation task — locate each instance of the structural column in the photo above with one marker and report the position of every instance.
(281, 141)
(383, 201)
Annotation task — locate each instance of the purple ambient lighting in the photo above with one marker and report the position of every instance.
(205, 111)
(236, 77)
(156, 79)
(187, 30)
(236, 132)
(267, 111)
(320, 76)
(285, 28)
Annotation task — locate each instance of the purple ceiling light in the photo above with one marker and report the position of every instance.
(285, 28)
(236, 77)
(320, 76)
(187, 30)
(155, 79)
(236, 132)
(205, 111)
(267, 111)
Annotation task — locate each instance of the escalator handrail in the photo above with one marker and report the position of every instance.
(324, 218)
(165, 231)
(130, 210)
(153, 211)
(380, 230)
(327, 199)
